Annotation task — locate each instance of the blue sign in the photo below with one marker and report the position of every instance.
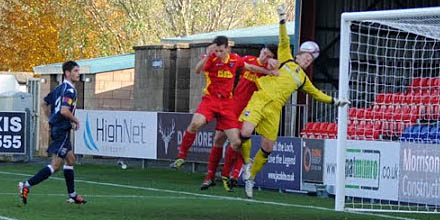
(283, 168)
(157, 64)
(12, 133)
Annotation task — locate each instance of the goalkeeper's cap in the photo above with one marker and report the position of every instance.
(310, 47)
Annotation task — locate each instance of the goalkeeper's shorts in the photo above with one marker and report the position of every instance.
(264, 113)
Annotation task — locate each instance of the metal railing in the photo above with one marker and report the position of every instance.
(296, 116)
(323, 112)
(297, 120)
(33, 87)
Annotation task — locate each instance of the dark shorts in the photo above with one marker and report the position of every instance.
(60, 143)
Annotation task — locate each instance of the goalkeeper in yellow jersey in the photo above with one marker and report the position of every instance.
(264, 108)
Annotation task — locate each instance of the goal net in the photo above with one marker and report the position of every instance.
(390, 71)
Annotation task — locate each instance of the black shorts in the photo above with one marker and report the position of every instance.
(60, 144)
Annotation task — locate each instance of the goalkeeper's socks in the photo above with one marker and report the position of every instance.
(230, 158)
(214, 158)
(69, 176)
(41, 175)
(246, 146)
(187, 141)
(260, 160)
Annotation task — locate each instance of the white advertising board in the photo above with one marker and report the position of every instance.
(117, 134)
(371, 168)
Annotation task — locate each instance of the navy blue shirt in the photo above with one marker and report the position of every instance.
(63, 95)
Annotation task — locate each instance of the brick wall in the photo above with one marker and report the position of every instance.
(110, 90)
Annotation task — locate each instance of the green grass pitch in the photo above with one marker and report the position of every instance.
(113, 193)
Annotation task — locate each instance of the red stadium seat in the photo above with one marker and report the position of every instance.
(388, 98)
(368, 129)
(351, 129)
(428, 112)
(379, 111)
(373, 130)
(435, 115)
(424, 82)
(321, 132)
(368, 113)
(387, 128)
(360, 128)
(397, 113)
(360, 113)
(434, 97)
(409, 96)
(309, 129)
(352, 113)
(309, 125)
(415, 84)
(414, 113)
(413, 97)
(426, 96)
(398, 98)
(435, 83)
(389, 112)
(406, 113)
(434, 100)
(417, 97)
(332, 130)
(380, 98)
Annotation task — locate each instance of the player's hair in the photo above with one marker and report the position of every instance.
(273, 48)
(221, 40)
(68, 66)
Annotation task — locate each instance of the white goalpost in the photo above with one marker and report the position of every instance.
(390, 71)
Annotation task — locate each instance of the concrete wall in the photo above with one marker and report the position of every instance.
(153, 84)
(183, 80)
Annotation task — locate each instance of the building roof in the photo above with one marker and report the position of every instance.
(267, 34)
(21, 77)
(93, 65)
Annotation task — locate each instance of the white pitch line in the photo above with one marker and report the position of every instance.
(214, 196)
(6, 218)
(110, 196)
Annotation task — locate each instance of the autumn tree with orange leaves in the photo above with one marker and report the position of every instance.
(49, 31)
(29, 34)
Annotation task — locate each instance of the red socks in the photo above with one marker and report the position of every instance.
(230, 157)
(234, 159)
(237, 166)
(214, 158)
(188, 140)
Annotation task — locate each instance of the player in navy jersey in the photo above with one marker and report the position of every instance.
(62, 102)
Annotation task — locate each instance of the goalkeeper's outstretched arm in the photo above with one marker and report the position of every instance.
(317, 94)
(284, 40)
